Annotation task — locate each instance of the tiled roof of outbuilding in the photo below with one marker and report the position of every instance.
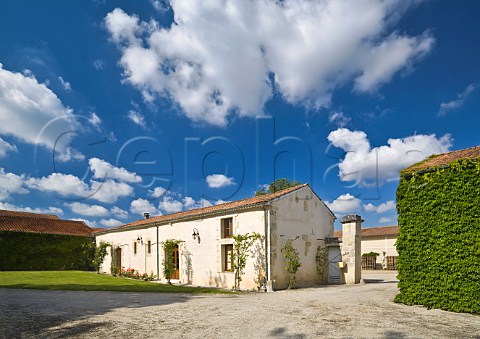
(244, 203)
(43, 225)
(374, 231)
(28, 214)
(444, 159)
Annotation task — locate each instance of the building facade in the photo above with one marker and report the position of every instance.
(203, 255)
(380, 240)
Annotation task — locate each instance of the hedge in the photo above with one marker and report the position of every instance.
(32, 251)
(439, 238)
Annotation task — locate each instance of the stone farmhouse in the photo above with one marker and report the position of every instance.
(203, 256)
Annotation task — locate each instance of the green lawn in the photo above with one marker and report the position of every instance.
(89, 281)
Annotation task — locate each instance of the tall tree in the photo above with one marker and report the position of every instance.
(277, 185)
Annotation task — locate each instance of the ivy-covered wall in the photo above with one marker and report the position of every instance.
(31, 251)
(439, 239)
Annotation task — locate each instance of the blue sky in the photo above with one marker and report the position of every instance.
(112, 108)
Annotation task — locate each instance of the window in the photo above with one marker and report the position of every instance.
(227, 227)
(134, 247)
(149, 247)
(227, 252)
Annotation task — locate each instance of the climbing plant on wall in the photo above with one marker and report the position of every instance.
(321, 259)
(168, 262)
(100, 254)
(241, 246)
(439, 238)
(292, 261)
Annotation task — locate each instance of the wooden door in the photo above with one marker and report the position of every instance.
(118, 258)
(176, 263)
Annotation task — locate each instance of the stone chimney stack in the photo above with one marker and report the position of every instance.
(146, 215)
(351, 248)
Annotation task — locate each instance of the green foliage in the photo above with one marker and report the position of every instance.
(99, 255)
(168, 264)
(292, 261)
(439, 239)
(277, 185)
(321, 259)
(370, 254)
(241, 245)
(32, 251)
(89, 281)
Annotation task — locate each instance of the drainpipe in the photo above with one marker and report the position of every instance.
(265, 215)
(158, 263)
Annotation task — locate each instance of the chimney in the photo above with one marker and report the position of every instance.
(146, 215)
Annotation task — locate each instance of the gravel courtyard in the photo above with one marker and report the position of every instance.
(360, 311)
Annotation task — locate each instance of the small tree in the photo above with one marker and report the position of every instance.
(292, 261)
(99, 255)
(241, 245)
(277, 185)
(168, 264)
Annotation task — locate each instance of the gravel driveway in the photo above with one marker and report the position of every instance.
(359, 311)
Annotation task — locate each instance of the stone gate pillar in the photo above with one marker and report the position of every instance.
(351, 248)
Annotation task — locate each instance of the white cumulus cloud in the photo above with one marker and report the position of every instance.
(68, 185)
(139, 206)
(170, 205)
(88, 210)
(219, 180)
(110, 222)
(119, 213)
(62, 184)
(384, 220)
(6, 147)
(382, 208)
(102, 169)
(368, 165)
(12, 207)
(303, 49)
(345, 204)
(32, 113)
(11, 183)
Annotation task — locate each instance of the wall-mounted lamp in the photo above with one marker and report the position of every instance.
(195, 234)
(139, 239)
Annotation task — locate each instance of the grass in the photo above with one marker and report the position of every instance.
(89, 281)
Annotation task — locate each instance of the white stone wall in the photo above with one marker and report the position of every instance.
(200, 261)
(380, 244)
(301, 214)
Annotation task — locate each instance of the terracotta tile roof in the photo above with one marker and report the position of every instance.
(444, 159)
(373, 231)
(245, 203)
(44, 225)
(98, 229)
(28, 214)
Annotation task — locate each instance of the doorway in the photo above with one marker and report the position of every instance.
(118, 258)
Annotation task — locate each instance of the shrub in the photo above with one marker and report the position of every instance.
(370, 254)
(42, 252)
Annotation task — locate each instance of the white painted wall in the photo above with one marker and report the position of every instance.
(302, 214)
(205, 255)
(298, 213)
(380, 244)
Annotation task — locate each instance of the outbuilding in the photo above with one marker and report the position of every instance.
(203, 255)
